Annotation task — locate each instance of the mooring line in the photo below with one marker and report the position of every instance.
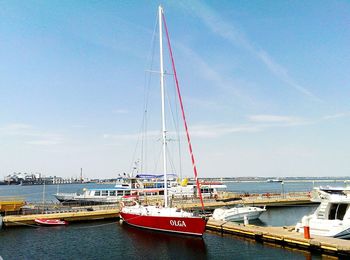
(96, 226)
(24, 224)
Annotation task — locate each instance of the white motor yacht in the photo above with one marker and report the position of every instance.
(332, 217)
(237, 213)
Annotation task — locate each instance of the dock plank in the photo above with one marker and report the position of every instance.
(18, 220)
(283, 235)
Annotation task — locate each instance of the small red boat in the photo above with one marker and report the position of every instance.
(50, 222)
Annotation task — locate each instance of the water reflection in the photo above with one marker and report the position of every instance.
(160, 245)
(286, 216)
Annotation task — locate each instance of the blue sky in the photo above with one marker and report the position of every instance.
(266, 85)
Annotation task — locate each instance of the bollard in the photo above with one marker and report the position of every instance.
(305, 223)
(245, 219)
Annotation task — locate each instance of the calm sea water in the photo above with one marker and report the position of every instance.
(35, 192)
(111, 240)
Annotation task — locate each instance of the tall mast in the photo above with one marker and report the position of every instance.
(160, 12)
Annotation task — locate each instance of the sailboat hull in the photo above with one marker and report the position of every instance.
(183, 225)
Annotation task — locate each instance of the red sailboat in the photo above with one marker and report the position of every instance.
(168, 219)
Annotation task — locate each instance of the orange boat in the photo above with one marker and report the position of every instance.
(7, 205)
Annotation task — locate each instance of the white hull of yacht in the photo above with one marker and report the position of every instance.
(237, 214)
(332, 217)
(327, 228)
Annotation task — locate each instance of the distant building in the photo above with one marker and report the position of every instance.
(19, 178)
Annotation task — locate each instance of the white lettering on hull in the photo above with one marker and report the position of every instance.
(177, 223)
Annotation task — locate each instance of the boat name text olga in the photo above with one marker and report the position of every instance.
(177, 223)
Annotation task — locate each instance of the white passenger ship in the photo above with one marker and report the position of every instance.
(139, 187)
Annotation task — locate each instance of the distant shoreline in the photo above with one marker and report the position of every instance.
(308, 180)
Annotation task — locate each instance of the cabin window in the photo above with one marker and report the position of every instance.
(105, 193)
(120, 193)
(112, 193)
(127, 192)
(97, 193)
(337, 211)
(206, 190)
(341, 211)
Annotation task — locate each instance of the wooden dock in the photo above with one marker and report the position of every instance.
(260, 201)
(70, 216)
(285, 236)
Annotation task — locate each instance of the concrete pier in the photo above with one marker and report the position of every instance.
(285, 236)
(261, 201)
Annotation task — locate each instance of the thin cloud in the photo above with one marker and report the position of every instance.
(227, 31)
(12, 129)
(216, 131)
(282, 73)
(121, 137)
(200, 131)
(273, 119)
(43, 142)
(30, 135)
(130, 137)
(207, 71)
(78, 126)
(255, 124)
(196, 102)
(45, 139)
(120, 111)
(335, 116)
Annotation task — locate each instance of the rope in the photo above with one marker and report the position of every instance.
(95, 226)
(24, 224)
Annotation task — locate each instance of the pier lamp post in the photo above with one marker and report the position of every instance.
(282, 184)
